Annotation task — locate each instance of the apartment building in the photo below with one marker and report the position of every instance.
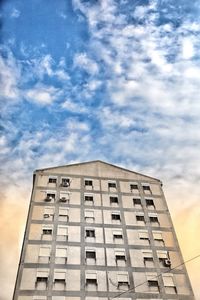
(96, 231)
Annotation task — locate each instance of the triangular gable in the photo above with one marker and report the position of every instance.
(97, 168)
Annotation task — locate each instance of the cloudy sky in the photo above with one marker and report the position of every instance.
(116, 80)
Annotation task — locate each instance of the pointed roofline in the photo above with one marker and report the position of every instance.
(95, 161)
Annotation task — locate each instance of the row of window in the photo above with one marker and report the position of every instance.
(134, 187)
(62, 234)
(62, 255)
(91, 281)
(89, 199)
(115, 216)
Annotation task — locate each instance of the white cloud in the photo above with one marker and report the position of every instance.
(82, 60)
(42, 94)
(188, 48)
(10, 74)
(72, 106)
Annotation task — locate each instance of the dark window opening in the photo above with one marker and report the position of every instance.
(90, 233)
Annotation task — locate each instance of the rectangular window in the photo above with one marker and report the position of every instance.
(41, 279)
(123, 280)
(91, 281)
(140, 219)
(146, 188)
(117, 235)
(148, 259)
(164, 260)
(61, 255)
(133, 187)
(120, 255)
(62, 233)
(64, 197)
(47, 230)
(150, 204)
(63, 214)
(44, 254)
(48, 213)
(50, 197)
(169, 285)
(152, 280)
(154, 219)
(158, 238)
(115, 216)
(88, 182)
(65, 182)
(137, 202)
(52, 179)
(112, 184)
(144, 237)
(114, 200)
(90, 233)
(90, 254)
(59, 280)
(89, 216)
(89, 199)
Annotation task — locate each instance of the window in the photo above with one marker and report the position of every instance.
(90, 257)
(164, 258)
(47, 229)
(150, 204)
(114, 200)
(117, 235)
(50, 197)
(90, 254)
(158, 238)
(152, 280)
(48, 213)
(59, 280)
(89, 216)
(89, 199)
(134, 187)
(91, 281)
(120, 257)
(64, 197)
(41, 279)
(115, 216)
(90, 233)
(63, 214)
(39, 298)
(112, 184)
(144, 237)
(140, 219)
(169, 285)
(148, 258)
(62, 233)
(61, 255)
(52, 179)
(65, 182)
(44, 254)
(146, 188)
(123, 280)
(154, 219)
(137, 202)
(88, 182)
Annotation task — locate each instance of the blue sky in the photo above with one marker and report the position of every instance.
(111, 80)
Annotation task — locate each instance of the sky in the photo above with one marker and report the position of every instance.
(115, 80)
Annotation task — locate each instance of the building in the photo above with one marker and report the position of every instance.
(96, 231)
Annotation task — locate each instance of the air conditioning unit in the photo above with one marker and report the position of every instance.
(48, 199)
(167, 262)
(46, 216)
(63, 199)
(65, 184)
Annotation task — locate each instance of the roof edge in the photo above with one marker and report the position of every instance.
(95, 161)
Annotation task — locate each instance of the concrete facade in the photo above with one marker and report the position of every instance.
(96, 231)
